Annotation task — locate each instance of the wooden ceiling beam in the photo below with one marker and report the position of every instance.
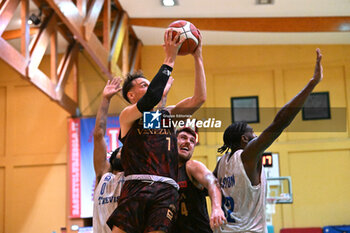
(66, 68)
(275, 24)
(15, 34)
(91, 17)
(136, 57)
(39, 44)
(82, 7)
(54, 54)
(125, 53)
(6, 13)
(25, 30)
(64, 31)
(69, 105)
(118, 5)
(12, 57)
(70, 16)
(107, 25)
(118, 42)
(113, 27)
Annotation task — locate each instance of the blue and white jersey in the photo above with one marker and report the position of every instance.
(243, 203)
(106, 196)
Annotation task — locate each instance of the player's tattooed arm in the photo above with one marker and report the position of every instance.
(101, 165)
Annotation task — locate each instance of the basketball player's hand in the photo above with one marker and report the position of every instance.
(318, 74)
(198, 51)
(111, 88)
(171, 46)
(217, 218)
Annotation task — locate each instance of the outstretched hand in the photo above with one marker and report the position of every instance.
(217, 218)
(198, 51)
(111, 88)
(318, 74)
(171, 46)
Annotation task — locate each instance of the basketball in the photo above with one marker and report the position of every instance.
(190, 32)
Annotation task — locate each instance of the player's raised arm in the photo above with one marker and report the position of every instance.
(191, 104)
(200, 173)
(254, 149)
(146, 101)
(101, 165)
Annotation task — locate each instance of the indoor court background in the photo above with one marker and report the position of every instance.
(34, 133)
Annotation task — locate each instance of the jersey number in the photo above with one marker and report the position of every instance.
(228, 205)
(184, 210)
(169, 141)
(103, 188)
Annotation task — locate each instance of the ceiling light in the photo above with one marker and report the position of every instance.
(168, 2)
(345, 27)
(35, 19)
(262, 2)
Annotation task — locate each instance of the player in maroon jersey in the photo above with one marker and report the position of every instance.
(195, 181)
(149, 157)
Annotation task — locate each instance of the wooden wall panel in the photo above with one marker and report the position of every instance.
(2, 200)
(38, 198)
(8, 74)
(320, 187)
(39, 124)
(2, 120)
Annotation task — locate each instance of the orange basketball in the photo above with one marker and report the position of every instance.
(190, 32)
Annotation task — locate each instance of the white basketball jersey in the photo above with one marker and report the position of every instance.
(106, 195)
(244, 204)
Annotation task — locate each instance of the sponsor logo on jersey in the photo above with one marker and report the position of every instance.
(182, 184)
(153, 131)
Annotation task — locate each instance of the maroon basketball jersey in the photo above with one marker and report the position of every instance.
(150, 151)
(193, 214)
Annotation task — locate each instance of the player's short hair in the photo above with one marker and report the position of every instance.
(127, 85)
(232, 136)
(114, 161)
(187, 130)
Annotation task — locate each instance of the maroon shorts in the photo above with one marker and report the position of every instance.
(144, 207)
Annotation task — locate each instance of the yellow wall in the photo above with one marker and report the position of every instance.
(34, 149)
(33, 131)
(318, 162)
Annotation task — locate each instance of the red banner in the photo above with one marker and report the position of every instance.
(74, 167)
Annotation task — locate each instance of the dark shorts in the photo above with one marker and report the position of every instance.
(144, 207)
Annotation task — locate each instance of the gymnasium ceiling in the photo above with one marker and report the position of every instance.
(214, 9)
(91, 26)
(226, 13)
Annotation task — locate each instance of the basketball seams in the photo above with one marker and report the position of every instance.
(187, 49)
(189, 33)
